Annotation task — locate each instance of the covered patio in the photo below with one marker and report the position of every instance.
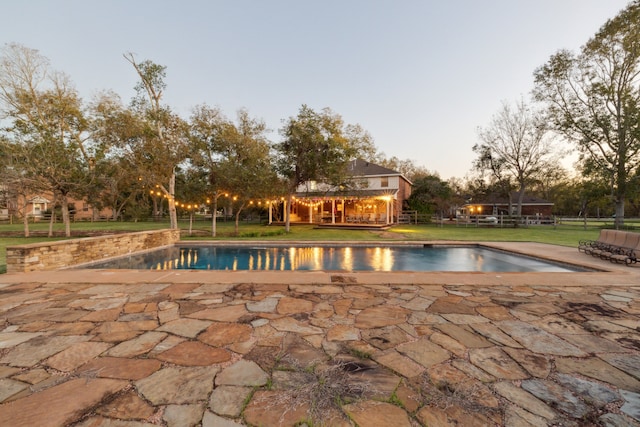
(367, 207)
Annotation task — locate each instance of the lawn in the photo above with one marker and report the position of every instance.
(561, 235)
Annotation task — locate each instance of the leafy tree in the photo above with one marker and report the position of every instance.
(430, 195)
(594, 197)
(546, 186)
(118, 131)
(316, 147)
(192, 184)
(48, 129)
(515, 148)
(211, 135)
(17, 186)
(406, 167)
(489, 176)
(246, 168)
(360, 140)
(458, 195)
(633, 195)
(593, 100)
(164, 143)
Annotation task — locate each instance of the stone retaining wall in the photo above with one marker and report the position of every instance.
(67, 253)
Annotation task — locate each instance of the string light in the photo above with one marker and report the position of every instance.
(307, 202)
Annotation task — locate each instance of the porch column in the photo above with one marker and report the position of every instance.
(310, 214)
(270, 212)
(333, 211)
(388, 211)
(343, 214)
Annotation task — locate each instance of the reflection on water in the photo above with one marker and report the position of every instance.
(479, 261)
(276, 259)
(331, 259)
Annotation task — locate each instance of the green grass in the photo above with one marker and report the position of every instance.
(564, 236)
(568, 235)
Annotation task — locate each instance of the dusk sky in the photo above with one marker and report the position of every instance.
(420, 76)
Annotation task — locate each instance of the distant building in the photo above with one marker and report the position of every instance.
(493, 205)
(39, 206)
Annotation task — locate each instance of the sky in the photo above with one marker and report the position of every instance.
(421, 76)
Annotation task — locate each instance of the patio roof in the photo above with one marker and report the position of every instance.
(350, 194)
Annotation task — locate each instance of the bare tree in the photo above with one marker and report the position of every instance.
(48, 129)
(515, 146)
(165, 141)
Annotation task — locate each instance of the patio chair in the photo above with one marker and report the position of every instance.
(605, 237)
(630, 252)
(622, 244)
(602, 250)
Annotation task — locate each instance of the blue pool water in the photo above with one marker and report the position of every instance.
(350, 258)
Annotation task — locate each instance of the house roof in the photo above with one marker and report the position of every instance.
(39, 199)
(359, 167)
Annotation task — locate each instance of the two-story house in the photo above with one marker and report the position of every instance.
(374, 195)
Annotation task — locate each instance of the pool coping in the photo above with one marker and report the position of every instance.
(99, 265)
(607, 273)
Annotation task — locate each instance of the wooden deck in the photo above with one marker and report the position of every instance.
(354, 226)
(340, 225)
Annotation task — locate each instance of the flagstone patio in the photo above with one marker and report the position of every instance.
(145, 348)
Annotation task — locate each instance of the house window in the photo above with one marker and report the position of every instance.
(384, 181)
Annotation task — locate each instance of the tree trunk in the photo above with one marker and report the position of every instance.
(214, 215)
(52, 219)
(155, 208)
(173, 215)
(237, 228)
(619, 220)
(287, 214)
(65, 215)
(621, 181)
(520, 199)
(25, 218)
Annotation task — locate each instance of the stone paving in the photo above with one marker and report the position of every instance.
(353, 350)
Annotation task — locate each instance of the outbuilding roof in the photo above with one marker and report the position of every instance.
(497, 200)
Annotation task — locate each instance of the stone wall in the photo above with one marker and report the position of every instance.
(67, 253)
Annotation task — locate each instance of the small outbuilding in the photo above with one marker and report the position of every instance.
(493, 205)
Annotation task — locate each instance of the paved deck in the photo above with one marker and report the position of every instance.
(142, 348)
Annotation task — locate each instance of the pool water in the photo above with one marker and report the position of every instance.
(348, 258)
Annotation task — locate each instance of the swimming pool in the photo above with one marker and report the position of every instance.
(334, 258)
